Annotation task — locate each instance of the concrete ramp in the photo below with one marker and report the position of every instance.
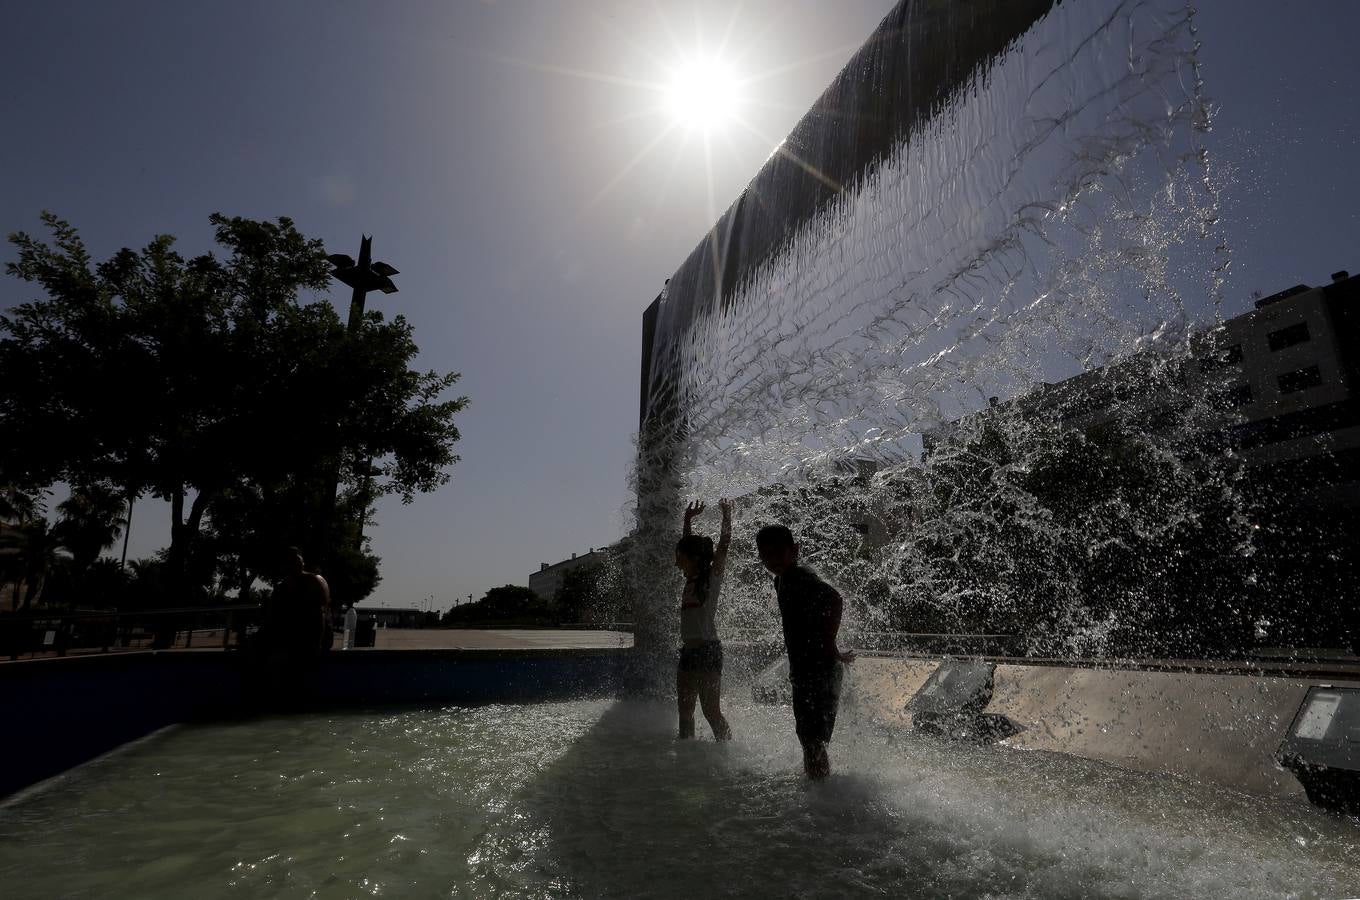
(1218, 726)
(1221, 728)
(874, 686)
(772, 685)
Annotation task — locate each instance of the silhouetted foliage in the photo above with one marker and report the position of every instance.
(149, 584)
(1305, 566)
(92, 518)
(509, 604)
(1097, 541)
(590, 595)
(18, 505)
(58, 561)
(34, 552)
(205, 380)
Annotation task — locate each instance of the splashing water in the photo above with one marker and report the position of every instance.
(1052, 217)
(1055, 216)
(593, 799)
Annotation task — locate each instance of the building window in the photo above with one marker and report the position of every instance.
(1288, 337)
(1224, 356)
(1233, 397)
(1292, 382)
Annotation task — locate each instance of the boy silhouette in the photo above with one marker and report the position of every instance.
(811, 613)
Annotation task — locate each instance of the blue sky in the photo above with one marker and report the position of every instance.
(511, 162)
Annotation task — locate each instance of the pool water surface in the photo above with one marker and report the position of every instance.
(597, 799)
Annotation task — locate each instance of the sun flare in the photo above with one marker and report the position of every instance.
(704, 96)
(708, 97)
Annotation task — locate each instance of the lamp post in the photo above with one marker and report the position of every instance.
(362, 276)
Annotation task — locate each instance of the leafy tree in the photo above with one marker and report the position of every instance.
(352, 571)
(91, 520)
(1096, 541)
(16, 508)
(106, 584)
(206, 380)
(1305, 565)
(508, 604)
(584, 594)
(35, 552)
(58, 561)
(17, 505)
(148, 582)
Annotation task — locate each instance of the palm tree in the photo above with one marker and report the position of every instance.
(18, 508)
(17, 505)
(35, 550)
(11, 567)
(91, 521)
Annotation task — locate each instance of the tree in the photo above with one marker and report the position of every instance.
(91, 520)
(1305, 566)
(582, 594)
(148, 582)
(35, 551)
(508, 604)
(17, 505)
(198, 379)
(59, 560)
(1105, 540)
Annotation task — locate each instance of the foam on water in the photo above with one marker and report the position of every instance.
(597, 799)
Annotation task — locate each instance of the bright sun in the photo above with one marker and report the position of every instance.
(703, 96)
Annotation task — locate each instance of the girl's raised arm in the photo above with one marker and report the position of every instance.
(694, 509)
(725, 536)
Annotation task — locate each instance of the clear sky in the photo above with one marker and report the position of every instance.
(517, 162)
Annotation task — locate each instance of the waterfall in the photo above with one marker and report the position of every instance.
(991, 197)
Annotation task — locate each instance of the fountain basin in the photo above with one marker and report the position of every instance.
(71, 710)
(595, 798)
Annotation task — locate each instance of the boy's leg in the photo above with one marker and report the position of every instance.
(816, 761)
(686, 692)
(710, 692)
(831, 702)
(815, 700)
(803, 721)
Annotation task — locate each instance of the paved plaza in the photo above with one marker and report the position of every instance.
(500, 639)
(209, 640)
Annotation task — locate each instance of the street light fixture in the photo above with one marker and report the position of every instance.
(363, 276)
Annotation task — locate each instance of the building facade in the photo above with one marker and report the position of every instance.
(1282, 381)
(548, 578)
(1290, 371)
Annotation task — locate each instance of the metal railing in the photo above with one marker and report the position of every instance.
(106, 631)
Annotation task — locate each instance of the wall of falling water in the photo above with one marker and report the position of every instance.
(1051, 214)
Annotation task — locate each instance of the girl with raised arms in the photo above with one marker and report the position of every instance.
(699, 674)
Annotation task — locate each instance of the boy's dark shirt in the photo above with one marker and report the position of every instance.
(811, 611)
